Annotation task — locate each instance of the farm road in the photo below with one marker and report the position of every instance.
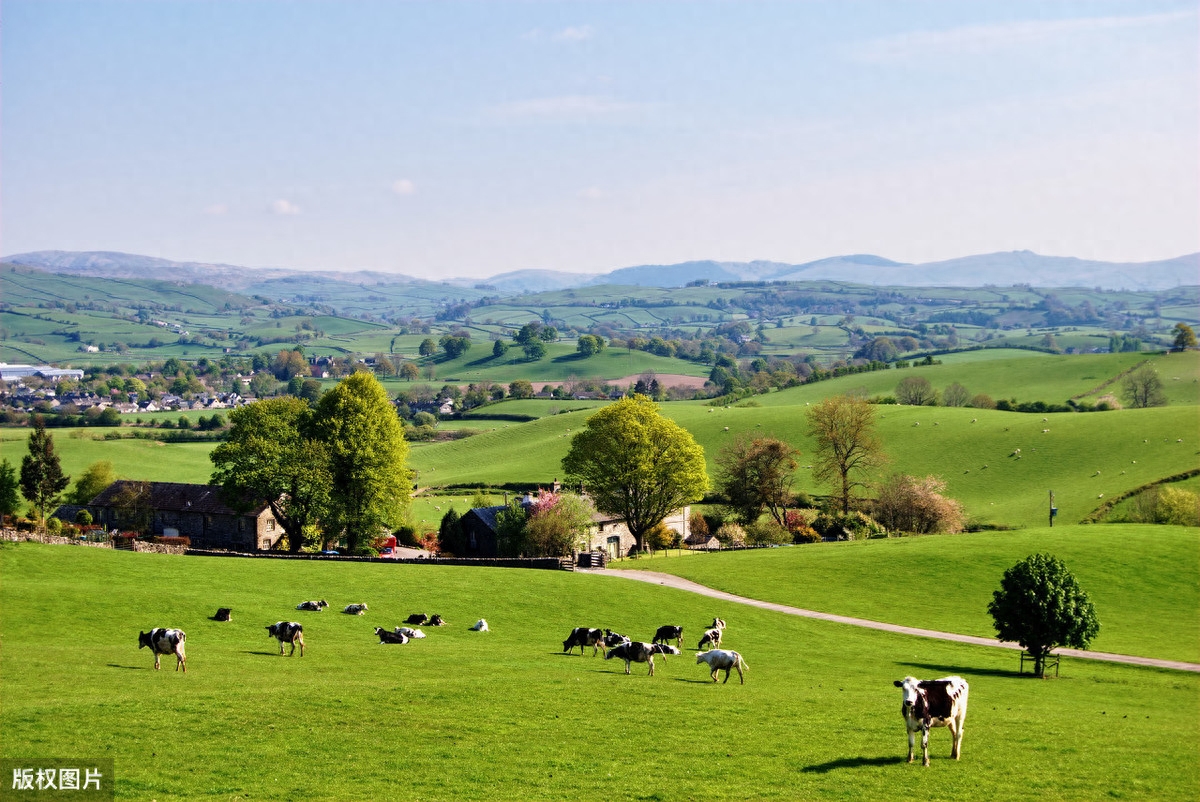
(679, 583)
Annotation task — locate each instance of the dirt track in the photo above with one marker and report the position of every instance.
(669, 580)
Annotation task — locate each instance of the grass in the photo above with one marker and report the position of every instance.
(1143, 580)
(507, 716)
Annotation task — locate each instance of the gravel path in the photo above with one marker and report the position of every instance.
(672, 581)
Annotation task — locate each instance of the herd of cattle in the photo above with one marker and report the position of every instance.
(926, 703)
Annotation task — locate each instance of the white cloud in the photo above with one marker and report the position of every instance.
(563, 107)
(403, 186)
(216, 209)
(284, 207)
(573, 34)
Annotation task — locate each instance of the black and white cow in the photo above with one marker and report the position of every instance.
(612, 639)
(390, 637)
(718, 623)
(666, 648)
(436, 620)
(287, 632)
(165, 641)
(312, 606)
(718, 659)
(223, 614)
(416, 619)
(668, 632)
(585, 636)
(408, 632)
(354, 609)
(934, 703)
(633, 652)
(712, 637)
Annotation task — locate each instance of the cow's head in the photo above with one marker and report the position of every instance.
(700, 657)
(143, 639)
(271, 630)
(911, 690)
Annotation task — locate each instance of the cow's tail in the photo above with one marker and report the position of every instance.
(741, 662)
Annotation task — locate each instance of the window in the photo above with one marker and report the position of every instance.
(270, 524)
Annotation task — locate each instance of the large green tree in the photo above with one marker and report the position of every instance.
(847, 447)
(371, 484)
(272, 454)
(42, 478)
(637, 464)
(1185, 337)
(756, 475)
(89, 484)
(10, 499)
(1040, 606)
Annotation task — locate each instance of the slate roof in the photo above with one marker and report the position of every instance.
(176, 497)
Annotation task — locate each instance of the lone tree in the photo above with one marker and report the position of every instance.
(1040, 606)
(847, 447)
(42, 479)
(756, 475)
(1185, 337)
(916, 391)
(637, 464)
(1143, 388)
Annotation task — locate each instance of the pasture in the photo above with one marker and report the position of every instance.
(506, 715)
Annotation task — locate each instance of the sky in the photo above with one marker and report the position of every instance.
(467, 139)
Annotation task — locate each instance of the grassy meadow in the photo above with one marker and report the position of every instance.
(506, 715)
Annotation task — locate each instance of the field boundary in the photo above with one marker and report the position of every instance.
(679, 583)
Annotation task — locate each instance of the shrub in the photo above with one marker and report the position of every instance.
(54, 526)
(662, 536)
(698, 525)
(83, 518)
(909, 504)
(766, 532)
(1179, 507)
(730, 534)
(847, 526)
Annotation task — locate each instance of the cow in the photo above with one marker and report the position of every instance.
(287, 632)
(633, 652)
(416, 619)
(165, 641)
(665, 649)
(718, 659)
(933, 703)
(414, 634)
(668, 632)
(480, 626)
(223, 614)
(718, 623)
(436, 620)
(390, 637)
(583, 636)
(354, 609)
(712, 637)
(612, 639)
(312, 606)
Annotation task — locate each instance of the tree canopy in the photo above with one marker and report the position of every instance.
(95, 478)
(847, 447)
(636, 463)
(1040, 606)
(756, 475)
(1143, 388)
(42, 479)
(9, 498)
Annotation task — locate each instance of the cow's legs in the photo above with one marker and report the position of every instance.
(726, 676)
(714, 674)
(910, 746)
(626, 666)
(956, 730)
(924, 746)
(156, 666)
(651, 662)
(180, 662)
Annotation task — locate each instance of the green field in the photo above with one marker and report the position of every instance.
(506, 715)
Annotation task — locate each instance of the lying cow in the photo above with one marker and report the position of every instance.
(612, 639)
(634, 652)
(933, 703)
(312, 606)
(165, 641)
(412, 634)
(712, 637)
(436, 620)
(223, 614)
(665, 649)
(287, 632)
(666, 633)
(583, 636)
(355, 609)
(416, 619)
(718, 659)
(480, 626)
(390, 637)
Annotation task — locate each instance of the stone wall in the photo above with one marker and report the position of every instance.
(13, 535)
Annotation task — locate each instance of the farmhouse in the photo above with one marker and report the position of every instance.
(193, 511)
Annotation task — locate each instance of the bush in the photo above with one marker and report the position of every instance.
(730, 534)
(83, 518)
(54, 526)
(909, 504)
(766, 532)
(698, 526)
(662, 536)
(847, 526)
(406, 535)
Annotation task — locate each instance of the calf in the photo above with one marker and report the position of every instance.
(355, 609)
(718, 623)
(583, 636)
(933, 703)
(712, 637)
(287, 632)
(312, 606)
(633, 652)
(480, 626)
(165, 641)
(718, 659)
(666, 633)
(416, 619)
(390, 637)
(436, 620)
(223, 614)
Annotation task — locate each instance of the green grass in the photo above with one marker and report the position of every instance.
(507, 716)
(1143, 580)
(148, 460)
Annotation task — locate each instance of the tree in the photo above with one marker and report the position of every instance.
(499, 349)
(428, 347)
(288, 364)
(846, 444)
(521, 388)
(1143, 388)
(589, 345)
(754, 475)
(450, 533)
(409, 371)
(558, 524)
(95, 478)
(133, 506)
(534, 350)
(955, 395)
(1185, 337)
(637, 464)
(273, 455)
(455, 346)
(915, 391)
(528, 333)
(42, 479)
(909, 504)
(1040, 606)
(10, 500)
(371, 485)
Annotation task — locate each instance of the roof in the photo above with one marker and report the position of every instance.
(176, 497)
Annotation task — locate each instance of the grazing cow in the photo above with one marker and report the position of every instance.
(612, 639)
(666, 633)
(718, 659)
(416, 619)
(718, 623)
(934, 703)
(390, 637)
(312, 606)
(165, 641)
(355, 609)
(287, 632)
(665, 649)
(583, 636)
(712, 637)
(414, 634)
(436, 620)
(223, 614)
(480, 626)
(633, 652)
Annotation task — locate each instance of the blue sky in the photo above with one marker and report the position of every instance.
(446, 139)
